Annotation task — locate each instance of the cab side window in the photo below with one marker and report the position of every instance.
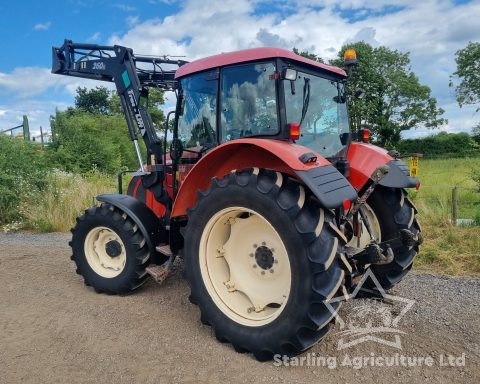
(197, 124)
(248, 101)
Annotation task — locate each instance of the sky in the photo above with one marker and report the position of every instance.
(432, 31)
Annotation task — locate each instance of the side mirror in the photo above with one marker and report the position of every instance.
(345, 138)
(176, 149)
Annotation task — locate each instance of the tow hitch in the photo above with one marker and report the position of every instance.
(381, 253)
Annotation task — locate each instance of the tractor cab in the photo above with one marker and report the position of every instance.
(263, 93)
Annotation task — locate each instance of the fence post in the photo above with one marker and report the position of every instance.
(454, 205)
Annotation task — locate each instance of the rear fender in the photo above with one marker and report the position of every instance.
(328, 185)
(365, 158)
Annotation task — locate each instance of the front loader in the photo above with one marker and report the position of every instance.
(263, 191)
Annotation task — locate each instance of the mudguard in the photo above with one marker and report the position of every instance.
(328, 185)
(365, 158)
(147, 222)
(398, 176)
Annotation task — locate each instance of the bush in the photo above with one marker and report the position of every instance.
(23, 172)
(84, 142)
(441, 145)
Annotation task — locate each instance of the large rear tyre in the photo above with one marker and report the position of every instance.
(109, 250)
(394, 211)
(261, 257)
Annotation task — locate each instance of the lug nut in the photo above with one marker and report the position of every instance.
(251, 254)
(263, 272)
(263, 243)
(271, 271)
(276, 261)
(254, 245)
(254, 265)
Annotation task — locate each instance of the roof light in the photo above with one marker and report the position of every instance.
(290, 74)
(350, 57)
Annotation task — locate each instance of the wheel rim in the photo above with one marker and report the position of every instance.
(245, 266)
(364, 239)
(105, 252)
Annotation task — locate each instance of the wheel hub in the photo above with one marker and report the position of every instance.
(105, 252)
(264, 257)
(113, 248)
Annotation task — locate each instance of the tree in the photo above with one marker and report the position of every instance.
(101, 101)
(394, 101)
(94, 100)
(94, 134)
(468, 71)
(308, 55)
(476, 133)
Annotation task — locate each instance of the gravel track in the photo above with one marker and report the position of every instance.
(54, 329)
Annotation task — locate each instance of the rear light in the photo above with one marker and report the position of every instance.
(365, 135)
(346, 205)
(417, 186)
(294, 131)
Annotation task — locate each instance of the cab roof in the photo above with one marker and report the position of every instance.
(252, 54)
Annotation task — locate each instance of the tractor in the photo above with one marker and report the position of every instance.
(273, 203)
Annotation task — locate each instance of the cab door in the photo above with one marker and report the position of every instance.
(197, 124)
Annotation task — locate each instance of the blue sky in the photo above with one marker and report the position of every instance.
(430, 30)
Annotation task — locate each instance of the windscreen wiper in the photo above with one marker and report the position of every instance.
(306, 98)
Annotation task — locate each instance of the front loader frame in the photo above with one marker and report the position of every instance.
(132, 76)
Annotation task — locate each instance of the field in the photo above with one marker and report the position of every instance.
(448, 249)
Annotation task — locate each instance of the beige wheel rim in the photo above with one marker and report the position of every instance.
(96, 252)
(364, 239)
(245, 266)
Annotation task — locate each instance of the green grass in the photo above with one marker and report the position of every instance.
(66, 196)
(448, 248)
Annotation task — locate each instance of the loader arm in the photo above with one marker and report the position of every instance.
(132, 76)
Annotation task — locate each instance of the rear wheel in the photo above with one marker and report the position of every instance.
(261, 257)
(393, 211)
(109, 250)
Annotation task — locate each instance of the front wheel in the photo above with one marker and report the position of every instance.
(109, 250)
(261, 257)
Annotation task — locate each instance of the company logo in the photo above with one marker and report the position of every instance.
(373, 319)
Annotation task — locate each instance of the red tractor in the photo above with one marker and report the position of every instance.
(263, 192)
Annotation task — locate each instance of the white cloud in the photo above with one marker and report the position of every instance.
(42, 26)
(125, 7)
(95, 37)
(132, 21)
(25, 82)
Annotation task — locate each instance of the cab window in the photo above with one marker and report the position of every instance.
(197, 124)
(248, 101)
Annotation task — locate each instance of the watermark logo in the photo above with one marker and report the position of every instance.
(372, 320)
